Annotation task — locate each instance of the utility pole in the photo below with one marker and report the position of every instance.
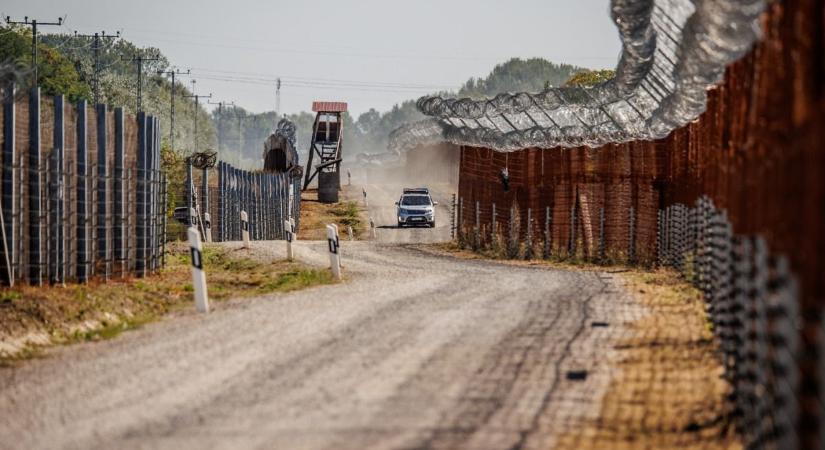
(220, 122)
(195, 118)
(97, 37)
(277, 101)
(33, 24)
(240, 140)
(139, 60)
(173, 73)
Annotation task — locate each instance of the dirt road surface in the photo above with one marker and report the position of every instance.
(381, 199)
(413, 350)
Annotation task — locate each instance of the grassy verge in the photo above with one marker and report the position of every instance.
(34, 318)
(315, 216)
(668, 392)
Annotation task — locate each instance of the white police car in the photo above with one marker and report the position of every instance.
(416, 207)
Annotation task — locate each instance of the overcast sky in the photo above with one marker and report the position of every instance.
(370, 53)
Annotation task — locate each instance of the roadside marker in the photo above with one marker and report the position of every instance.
(207, 222)
(332, 243)
(349, 232)
(245, 229)
(337, 243)
(198, 275)
(372, 228)
(289, 226)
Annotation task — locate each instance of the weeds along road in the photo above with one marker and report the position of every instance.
(413, 350)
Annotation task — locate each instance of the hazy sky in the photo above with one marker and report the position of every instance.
(370, 53)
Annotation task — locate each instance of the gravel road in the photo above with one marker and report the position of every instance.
(414, 350)
(382, 198)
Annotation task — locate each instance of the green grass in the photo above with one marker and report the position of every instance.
(298, 279)
(126, 304)
(347, 214)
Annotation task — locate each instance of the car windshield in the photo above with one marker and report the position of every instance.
(415, 200)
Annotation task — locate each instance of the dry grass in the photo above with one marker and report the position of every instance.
(316, 215)
(33, 318)
(454, 250)
(669, 392)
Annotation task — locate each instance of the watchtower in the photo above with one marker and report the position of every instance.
(327, 145)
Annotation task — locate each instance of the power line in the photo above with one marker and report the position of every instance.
(273, 78)
(195, 115)
(408, 90)
(139, 60)
(96, 38)
(173, 73)
(33, 24)
(220, 120)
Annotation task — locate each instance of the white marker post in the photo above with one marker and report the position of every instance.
(290, 199)
(207, 222)
(334, 261)
(198, 275)
(349, 232)
(337, 242)
(372, 228)
(245, 229)
(193, 217)
(364, 190)
(289, 230)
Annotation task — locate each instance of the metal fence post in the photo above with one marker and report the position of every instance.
(205, 192)
(140, 224)
(548, 235)
(83, 234)
(35, 196)
(164, 201)
(631, 252)
(528, 242)
(9, 211)
(59, 185)
(477, 228)
(52, 213)
(602, 250)
(102, 213)
(571, 247)
(119, 212)
(221, 237)
(493, 222)
(453, 217)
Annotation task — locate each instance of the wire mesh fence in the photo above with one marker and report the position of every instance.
(752, 302)
(223, 191)
(83, 191)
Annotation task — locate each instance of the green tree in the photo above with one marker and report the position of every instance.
(519, 75)
(57, 75)
(590, 78)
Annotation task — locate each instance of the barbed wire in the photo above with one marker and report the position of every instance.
(286, 129)
(673, 51)
(204, 160)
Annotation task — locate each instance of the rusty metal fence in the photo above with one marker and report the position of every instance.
(567, 230)
(83, 194)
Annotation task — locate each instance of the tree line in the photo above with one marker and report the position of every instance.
(66, 66)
